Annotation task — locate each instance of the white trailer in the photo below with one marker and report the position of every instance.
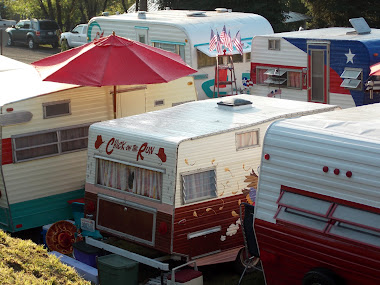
(317, 210)
(43, 131)
(187, 33)
(173, 180)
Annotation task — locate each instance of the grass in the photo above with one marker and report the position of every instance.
(24, 262)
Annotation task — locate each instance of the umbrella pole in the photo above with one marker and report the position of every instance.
(114, 101)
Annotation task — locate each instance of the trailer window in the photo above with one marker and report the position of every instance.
(274, 44)
(49, 143)
(303, 210)
(204, 60)
(279, 77)
(174, 48)
(330, 217)
(356, 224)
(56, 109)
(247, 140)
(130, 179)
(352, 78)
(198, 186)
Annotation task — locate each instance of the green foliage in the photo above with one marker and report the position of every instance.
(330, 13)
(24, 262)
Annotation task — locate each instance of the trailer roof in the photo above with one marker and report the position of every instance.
(198, 27)
(358, 122)
(21, 81)
(204, 118)
(334, 33)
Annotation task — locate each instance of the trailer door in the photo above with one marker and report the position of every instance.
(318, 71)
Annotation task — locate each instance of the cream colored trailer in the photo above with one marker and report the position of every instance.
(182, 173)
(44, 128)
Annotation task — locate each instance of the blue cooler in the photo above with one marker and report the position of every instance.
(86, 253)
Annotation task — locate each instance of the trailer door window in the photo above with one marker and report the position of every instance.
(198, 186)
(131, 179)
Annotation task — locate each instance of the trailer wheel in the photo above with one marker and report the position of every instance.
(320, 276)
(242, 261)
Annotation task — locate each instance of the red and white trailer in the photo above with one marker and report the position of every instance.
(317, 212)
(173, 180)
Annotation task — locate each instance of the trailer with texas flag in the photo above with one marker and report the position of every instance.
(330, 65)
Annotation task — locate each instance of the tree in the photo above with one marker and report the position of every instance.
(270, 9)
(330, 13)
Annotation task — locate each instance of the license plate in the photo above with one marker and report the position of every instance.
(50, 33)
(87, 225)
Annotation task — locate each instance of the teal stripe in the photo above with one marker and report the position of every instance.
(167, 42)
(43, 211)
(141, 28)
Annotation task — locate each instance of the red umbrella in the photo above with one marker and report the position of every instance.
(113, 60)
(375, 69)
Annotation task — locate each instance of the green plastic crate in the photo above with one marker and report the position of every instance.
(114, 269)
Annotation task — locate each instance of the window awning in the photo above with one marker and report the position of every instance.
(246, 48)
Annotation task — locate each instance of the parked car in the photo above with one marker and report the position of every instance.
(34, 32)
(75, 38)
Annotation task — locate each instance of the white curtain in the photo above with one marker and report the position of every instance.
(131, 179)
(199, 185)
(247, 139)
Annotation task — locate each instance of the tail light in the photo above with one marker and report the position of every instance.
(38, 33)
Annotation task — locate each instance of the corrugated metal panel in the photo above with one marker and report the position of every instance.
(288, 55)
(219, 152)
(299, 148)
(88, 104)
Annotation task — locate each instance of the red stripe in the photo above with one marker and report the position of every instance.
(7, 157)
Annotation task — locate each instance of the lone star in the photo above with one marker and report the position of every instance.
(350, 56)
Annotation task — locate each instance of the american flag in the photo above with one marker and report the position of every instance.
(219, 48)
(223, 36)
(213, 41)
(237, 43)
(228, 42)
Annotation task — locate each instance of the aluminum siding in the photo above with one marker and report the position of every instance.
(58, 174)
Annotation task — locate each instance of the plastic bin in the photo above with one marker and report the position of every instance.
(114, 269)
(86, 253)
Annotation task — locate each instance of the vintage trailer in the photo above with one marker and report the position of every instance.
(44, 128)
(317, 210)
(328, 65)
(187, 33)
(173, 180)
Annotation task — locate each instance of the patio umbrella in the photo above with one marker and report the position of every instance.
(375, 69)
(112, 61)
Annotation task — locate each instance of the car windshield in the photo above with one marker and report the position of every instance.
(48, 25)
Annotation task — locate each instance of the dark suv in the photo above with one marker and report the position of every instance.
(34, 32)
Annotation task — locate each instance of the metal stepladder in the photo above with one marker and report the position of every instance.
(224, 74)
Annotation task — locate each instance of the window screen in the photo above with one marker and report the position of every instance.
(199, 186)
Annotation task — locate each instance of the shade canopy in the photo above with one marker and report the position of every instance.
(375, 69)
(113, 60)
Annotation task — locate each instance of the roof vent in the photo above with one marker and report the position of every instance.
(196, 14)
(221, 10)
(235, 104)
(360, 25)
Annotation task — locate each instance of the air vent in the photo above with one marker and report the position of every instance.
(235, 104)
(221, 10)
(196, 14)
(360, 25)
(141, 14)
